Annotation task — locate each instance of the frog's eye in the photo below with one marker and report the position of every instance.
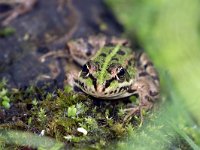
(93, 66)
(121, 74)
(85, 71)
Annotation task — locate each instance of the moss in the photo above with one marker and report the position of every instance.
(60, 113)
(118, 129)
(7, 31)
(4, 95)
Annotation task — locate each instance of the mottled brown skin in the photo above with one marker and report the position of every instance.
(146, 85)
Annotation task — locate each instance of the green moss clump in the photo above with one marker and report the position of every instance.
(7, 31)
(69, 117)
(4, 95)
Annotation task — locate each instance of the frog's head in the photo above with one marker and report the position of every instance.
(108, 80)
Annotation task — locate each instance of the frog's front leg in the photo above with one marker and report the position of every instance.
(147, 91)
(71, 78)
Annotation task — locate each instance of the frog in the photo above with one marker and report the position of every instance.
(112, 70)
(20, 7)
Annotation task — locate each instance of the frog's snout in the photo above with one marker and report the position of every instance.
(99, 89)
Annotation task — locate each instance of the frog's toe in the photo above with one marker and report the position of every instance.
(137, 111)
(131, 112)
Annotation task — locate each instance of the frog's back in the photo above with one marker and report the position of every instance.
(110, 57)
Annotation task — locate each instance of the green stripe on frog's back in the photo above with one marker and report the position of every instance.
(103, 58)
(110, 55)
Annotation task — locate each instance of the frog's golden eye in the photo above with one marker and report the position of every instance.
(85, 71)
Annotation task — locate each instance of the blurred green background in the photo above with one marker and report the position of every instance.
(169, 33)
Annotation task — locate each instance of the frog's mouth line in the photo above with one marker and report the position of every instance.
(125, 94)
(115, 94)
(112, 97)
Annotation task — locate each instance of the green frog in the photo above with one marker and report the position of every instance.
(112, 70)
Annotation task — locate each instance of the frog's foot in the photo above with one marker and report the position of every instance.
(23, 6)
(54, 54)
(148, 91)
(131, 112)
(137, 110)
